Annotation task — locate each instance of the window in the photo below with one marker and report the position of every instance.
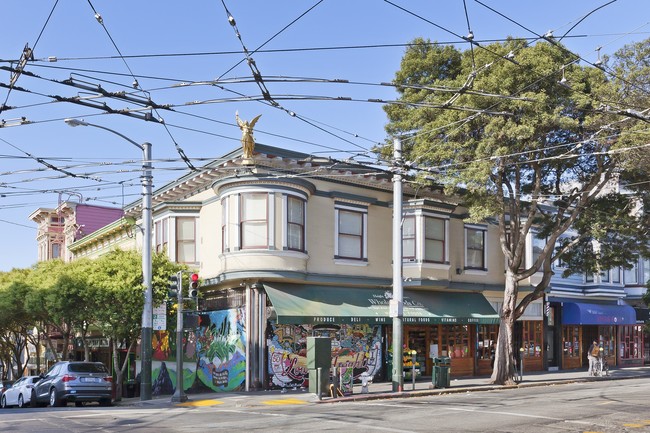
(186, 240)
(56, 251)
(161, 233)
(254, 220)
(631, 275)
(631, 342)
(408, 238)
(532, 338)
(295, 224)
(474, 248)
(616, 275)
(538, 247)
(487, 340)
(604, 276)
(434, 239)
(350, 234)
(646, 271)
(571, 342)
(224, 225)
(589, 278)
(455, 339)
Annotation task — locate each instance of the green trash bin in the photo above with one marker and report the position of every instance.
(441, 372)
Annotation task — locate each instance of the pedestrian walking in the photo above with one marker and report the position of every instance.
(592, 355)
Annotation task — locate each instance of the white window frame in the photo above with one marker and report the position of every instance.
(161, 234)
(286, 199)
(193, 241)
(364, 232)
(445, 243)
(267, 219)
(484, 230)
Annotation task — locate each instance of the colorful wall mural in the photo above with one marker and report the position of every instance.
(214, 355)
(356, 346)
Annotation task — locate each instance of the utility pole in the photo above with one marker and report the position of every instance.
(397, 303)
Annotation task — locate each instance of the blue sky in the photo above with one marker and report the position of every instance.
(167, 43)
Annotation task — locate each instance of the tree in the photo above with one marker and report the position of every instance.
(117, 279)
(15, 323)
(520, 131)
(61, 300)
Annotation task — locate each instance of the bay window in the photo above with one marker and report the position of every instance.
(295, 223)
(186, 240)
(254, 228)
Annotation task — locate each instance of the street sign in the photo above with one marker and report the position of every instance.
(160, 317)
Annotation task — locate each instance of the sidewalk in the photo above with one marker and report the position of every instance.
(383, 390)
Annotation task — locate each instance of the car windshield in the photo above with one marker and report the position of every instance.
(87, 368)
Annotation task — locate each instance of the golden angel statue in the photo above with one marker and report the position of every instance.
(247, 140)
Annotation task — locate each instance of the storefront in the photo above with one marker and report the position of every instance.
(643, 319)
(435, 324)
(613, 326)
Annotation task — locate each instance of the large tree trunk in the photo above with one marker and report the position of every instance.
(504, 371)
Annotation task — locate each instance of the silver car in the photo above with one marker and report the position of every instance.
(75, 381)
(19, 393)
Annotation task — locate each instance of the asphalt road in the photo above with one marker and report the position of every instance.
(607, 406)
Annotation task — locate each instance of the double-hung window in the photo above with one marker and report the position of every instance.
(351, 233)
(254, 220)
(295, 223)
(161, 234)
(186, 240)
(434, 240)
(475, 247)
(408, 238)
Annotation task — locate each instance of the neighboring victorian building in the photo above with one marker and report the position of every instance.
(58, 229)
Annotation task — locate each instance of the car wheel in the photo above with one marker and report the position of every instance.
(21, 402)
(54, 402)
(105, 402)
(4, 402)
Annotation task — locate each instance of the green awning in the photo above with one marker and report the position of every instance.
(311, 304)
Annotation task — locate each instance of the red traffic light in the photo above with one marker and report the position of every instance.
(194, 281)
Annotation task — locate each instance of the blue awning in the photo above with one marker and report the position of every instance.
(578, 313)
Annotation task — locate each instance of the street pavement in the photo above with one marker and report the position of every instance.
(383, 390)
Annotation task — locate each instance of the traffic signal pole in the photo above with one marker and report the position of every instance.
(179, 393)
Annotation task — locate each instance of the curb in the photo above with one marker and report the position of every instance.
(466, 389)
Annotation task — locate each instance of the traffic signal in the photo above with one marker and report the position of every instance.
(194, 286)
(174, 286)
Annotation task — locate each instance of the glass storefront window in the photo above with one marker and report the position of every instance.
(487, 336)
(455, 341)
(631, 342)
(532, 338)
(571, 342)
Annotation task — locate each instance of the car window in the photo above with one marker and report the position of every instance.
(35, 379)
(87, 368)
(53, 370)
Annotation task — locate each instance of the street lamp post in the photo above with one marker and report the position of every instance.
(147, 311)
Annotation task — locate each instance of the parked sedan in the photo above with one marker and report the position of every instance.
(75, 381)
(20, 392)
